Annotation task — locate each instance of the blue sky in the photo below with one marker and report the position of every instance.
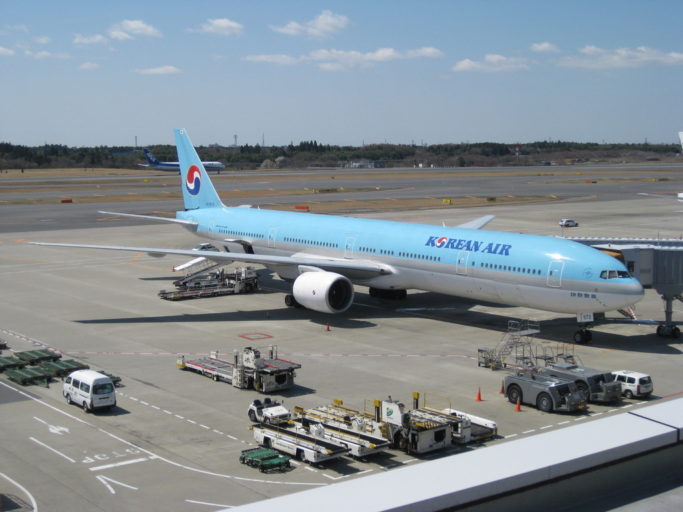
(349, 72)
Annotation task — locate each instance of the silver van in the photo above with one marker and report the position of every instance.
(89, 389)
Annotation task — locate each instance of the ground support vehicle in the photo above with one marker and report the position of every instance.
(268, 411)
(89, 389)
(247, 370)
(213, 284)
(28, 375)
(360, 444)
(3, 344)
(467, 427)
(598, 385)
(634, 384)
(8, 363)
(265, 459)
(304, 447)
(545, 392)
(62, 368)
(37, 356)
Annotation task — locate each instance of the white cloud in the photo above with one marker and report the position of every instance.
(161, 70)
(273, 59)
(325, 24)
(88, 66)
(492, 63)
(128, 29)
(6, 51)
(42, 39)
(593, 57)
(339, 60)
(544, 47)
(93, 39)
(45, 55)
(221, 26)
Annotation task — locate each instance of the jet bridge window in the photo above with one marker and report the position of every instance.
(614, 274)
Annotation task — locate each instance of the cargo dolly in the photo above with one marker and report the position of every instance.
(62, 368)
(8, 363)
(26, 376)
(265, 459)
(37, 356)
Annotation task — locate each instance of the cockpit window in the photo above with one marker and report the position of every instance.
(614, 274)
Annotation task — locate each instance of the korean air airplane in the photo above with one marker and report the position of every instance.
(323, 256)
(153, 163)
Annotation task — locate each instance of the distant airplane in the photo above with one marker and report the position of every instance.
(322, 255)
(152, 162)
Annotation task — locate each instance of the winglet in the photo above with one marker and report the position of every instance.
(478, 223)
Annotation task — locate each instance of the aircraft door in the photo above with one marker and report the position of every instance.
(272, 233)
(461, 262)
(348, 246)
(555, 274)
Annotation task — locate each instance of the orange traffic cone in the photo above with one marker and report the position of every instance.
(478, 399)
(327, 327)
(518, 407)
(502, 388)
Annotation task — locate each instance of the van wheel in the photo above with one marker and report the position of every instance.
(544, 402)
(252, 416)
(86, 407)
(514, 393)
(68, 398)
(628, 393)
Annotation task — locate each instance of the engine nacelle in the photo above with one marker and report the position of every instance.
(325, 292)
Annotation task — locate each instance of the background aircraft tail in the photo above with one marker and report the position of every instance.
(150, 157)
(198, 191)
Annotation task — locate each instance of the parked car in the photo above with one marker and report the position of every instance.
(569, 223)
(634, 383)
(89, 389)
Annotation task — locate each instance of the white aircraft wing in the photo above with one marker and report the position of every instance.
(477, 223)
(354, 269)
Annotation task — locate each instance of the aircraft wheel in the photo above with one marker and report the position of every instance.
(578, 337)
(676, 332)
(290, 301)
(660, 330)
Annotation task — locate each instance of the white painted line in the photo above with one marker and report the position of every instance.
(232, 437)
(597, 414)
(30, 496)
(529, 431)
(547, 426)
(580, 418)
(104, 480)
(51, 449)
(204, 426)
(310, 469)
(143, 402)
(133, 399)
(510, 436)
(155, 407)
(179, 416)
(117, 464)
(629, 405)
(191, 421)
(409, 461)
(218, 432)
(613, 410)
(563, 422)
(167, 411)
(208, 504)
(332, 477)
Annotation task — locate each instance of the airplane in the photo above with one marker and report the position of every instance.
(323, 256)
(152, 162)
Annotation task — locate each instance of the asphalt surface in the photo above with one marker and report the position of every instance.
(174, 439)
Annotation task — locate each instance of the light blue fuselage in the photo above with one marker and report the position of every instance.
(540, 272)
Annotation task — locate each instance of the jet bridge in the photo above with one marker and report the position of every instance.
(656, 263)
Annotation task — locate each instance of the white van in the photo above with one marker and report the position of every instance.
(634, 383)
(90, 390)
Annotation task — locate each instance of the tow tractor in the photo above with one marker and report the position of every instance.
(214, 283)
(247, 370)
(268, 411)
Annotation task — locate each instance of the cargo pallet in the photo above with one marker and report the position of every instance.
(37, 356)
(265, 459)
(62, 368)
(8, 363)
(26, 376)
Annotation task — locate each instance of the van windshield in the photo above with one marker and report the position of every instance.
(102, 389)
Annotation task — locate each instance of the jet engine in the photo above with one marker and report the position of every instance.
(325, 292)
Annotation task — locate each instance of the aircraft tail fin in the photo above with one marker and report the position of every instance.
(680, 136)
(198, 191)
(150, 157)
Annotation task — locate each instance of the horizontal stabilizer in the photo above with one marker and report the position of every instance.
(152, 217)
(477, 223)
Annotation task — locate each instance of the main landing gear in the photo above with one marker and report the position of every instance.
(583, 336)
(668, 331)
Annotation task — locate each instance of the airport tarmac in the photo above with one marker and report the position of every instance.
(174, 439)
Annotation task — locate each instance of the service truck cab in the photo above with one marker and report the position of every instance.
(634, 383)
(90, 390)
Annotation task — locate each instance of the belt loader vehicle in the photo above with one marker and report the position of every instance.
(248, 370)
(301, 445)
(547, 393)
(597, 385)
